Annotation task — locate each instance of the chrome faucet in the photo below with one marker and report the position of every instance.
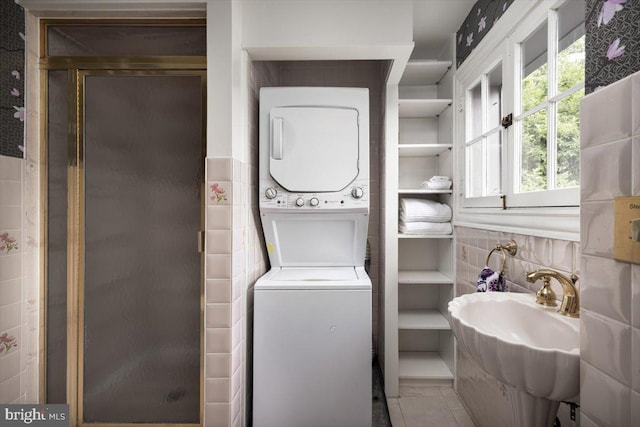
(570, 304)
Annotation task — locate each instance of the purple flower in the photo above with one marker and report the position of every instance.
(504, 7)
(459, 38)
(609, 8)
(615, 50)
(469, 39)
(22, 36)
(482, 24)
(15, 92)
(19, 114)
(478, 11)
(21, 147)
(16, 74)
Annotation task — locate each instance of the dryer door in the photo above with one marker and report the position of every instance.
(313, 149)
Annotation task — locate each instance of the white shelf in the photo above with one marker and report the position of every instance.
(412, 108)
(423, 278)
(423, 365)
(422, 150)
(421, 191)
(420, 73)
(425, 236)
(422, 319)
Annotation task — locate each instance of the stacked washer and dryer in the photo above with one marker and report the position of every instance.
(312, 309)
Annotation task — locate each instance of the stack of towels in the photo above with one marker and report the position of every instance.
(437, 183)
(419, 216)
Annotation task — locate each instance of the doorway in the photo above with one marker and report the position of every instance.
(124, 199)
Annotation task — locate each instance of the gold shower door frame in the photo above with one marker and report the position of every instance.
(79, 68)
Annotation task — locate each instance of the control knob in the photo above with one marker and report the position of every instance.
(314, 201)
(270, 193)
(357, 192)
(299, 202)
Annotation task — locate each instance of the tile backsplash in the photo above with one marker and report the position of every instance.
(485, 398)
(610, 320)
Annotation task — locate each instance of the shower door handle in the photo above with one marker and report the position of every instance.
(276, 138)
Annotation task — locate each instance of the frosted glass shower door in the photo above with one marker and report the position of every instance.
(140, 184)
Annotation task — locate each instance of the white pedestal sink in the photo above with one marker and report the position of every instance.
(532, 349)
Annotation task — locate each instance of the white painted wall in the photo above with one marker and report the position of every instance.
(314, 23)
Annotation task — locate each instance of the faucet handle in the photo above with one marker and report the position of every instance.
(573, 278)
(545, 294)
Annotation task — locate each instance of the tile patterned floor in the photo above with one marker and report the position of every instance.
(428, 407)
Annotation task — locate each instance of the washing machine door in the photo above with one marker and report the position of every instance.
(313, 149)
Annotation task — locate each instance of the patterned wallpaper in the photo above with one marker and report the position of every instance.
(612, 42)
(11, 79)
(479, 22)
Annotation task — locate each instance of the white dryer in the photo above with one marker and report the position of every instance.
(312, 310)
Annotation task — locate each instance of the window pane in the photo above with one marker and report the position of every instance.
(569, 141)
(534, 69)
(494, 97)
(474, 169)
(475, 115)
(571, 51)
(534, 152)
(494, 164)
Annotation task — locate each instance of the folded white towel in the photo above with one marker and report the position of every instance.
(424, 210)
(426, 228)
(437, 185)
(438, 178)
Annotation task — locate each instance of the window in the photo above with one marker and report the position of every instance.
(537, 74)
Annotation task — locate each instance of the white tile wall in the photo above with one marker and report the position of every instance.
(12, 320)
(610, 323)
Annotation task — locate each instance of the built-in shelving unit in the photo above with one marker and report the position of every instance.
(425, 272)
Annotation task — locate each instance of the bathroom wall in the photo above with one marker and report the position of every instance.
(610, 315)
(11, 279)
(484, 397)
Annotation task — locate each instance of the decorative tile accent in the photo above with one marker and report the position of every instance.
(220, 193)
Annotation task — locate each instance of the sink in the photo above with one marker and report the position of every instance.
(532, 349)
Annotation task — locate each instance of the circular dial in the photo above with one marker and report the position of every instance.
(270, 193)
(299, 202)
(314, 201)
(357, 192)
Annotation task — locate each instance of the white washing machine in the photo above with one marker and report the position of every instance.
(312, 310)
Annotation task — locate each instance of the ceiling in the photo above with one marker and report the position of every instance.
(433, 23)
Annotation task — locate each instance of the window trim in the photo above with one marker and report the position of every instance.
(561, 219)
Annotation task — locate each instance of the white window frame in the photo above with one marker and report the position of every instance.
(551, 213)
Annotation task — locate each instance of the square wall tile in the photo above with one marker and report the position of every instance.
(219, 241)
(220, 193)
(602, 180)
(218, 365)
(218, 290)
(605, 287)
(218, 340)
(612, 410)
(219, 169)
(219, 217)
(596, 225)
(218, 315)
(217, 390)
(606, 344)
(10, 168)
(10, 193)
(217, 415)
(218, 266)
(605, 115)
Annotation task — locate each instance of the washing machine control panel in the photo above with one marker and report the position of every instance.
(354, 195)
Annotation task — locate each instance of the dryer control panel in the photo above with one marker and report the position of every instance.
(354, 195)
